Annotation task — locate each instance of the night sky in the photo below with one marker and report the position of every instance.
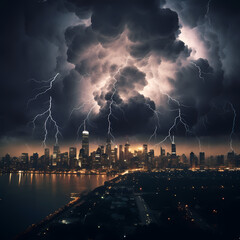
(137, 69)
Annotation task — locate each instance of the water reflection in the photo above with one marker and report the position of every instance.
(19, 178)
(10, 177)
(57, 182)
(43, 193)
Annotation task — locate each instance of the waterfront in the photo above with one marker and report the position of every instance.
(28, 198)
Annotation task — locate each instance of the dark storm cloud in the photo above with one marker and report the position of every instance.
(31, 46)
(40, 39)
(130, 78)
(125, 114)
(217, 23)
(150, 28)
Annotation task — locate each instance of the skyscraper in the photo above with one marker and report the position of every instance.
(102, 149)
(46, 156)
(173, 148)
(192, 160)
(72, 156)
(108, 147)
(85, 142)
(25, 158)
(56, 155)
(121, 156)
(126, 151)
(115, 153)
(162, 152)
(56, 151)
(145, 149)
(46, 153)
(202, 160)
(72, 152)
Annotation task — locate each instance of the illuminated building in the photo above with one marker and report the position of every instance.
(47, 153)
(85, 142)
(102, 149)
(121, 156)
(162, 151)
(97, 158)
(231, 159)
(202, 160)
(83, 159)
(108, 147)
(193, 160)
(151, 156)
(173, 148)
(126, 151)
(56, 151)
(72, 156)
(24, 158)
(145, 149)
(63, 159)
(115, 153)
(34, 160)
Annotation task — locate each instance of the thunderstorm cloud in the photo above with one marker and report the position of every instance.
(137, 64)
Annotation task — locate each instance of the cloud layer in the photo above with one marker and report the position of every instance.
(125, 67)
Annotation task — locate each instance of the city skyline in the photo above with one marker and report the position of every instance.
(112, 157)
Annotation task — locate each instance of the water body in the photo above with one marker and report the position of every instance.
(28, 198)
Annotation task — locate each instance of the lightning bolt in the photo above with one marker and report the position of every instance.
(199, 71)
(154, 134)
(233, 125)
(83, 124)
(156, 113)
(110, 114)
(178, 119)
(50, 81)
(123, 113)
(110, 108)
(79, 108)
(49, 118)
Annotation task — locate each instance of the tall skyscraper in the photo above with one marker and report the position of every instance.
(192, 160)
(162, 151)
(56, 151)
(25, 158)
(46, 156)
(72, 156)
(85, 142)
(173, 148)
(97, 159)
(102, 149)
(108, 146)
(47, 153)
(202, 160)
(145, 149)
(121, 156)
(126, 151)
(231, 159)
(35, 160)
(115, 153)
(72, 152)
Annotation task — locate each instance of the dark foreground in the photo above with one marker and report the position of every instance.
(162, 205)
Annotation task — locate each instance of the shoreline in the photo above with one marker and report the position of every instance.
(36, 227)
